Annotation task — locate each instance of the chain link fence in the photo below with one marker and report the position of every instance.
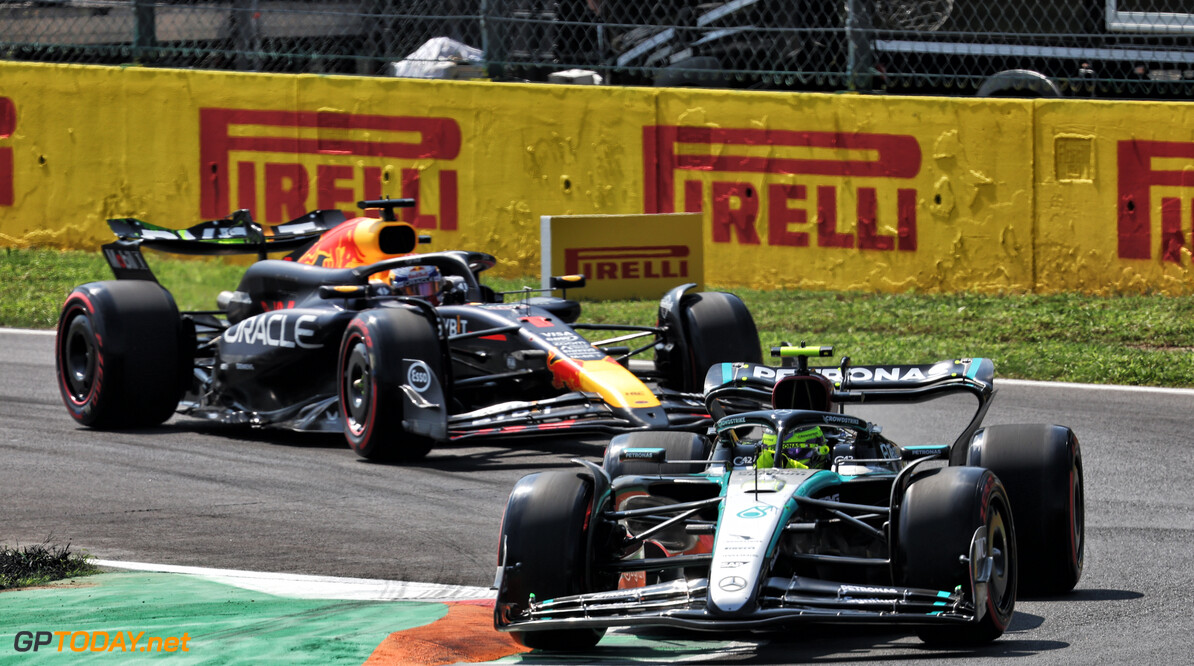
(1087, 48)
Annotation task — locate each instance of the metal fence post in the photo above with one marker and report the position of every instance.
(244, 35)
(493, 52)
(860, 59)
(144, 27)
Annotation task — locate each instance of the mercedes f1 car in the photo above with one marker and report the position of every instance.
(792, 510)
(354, 332)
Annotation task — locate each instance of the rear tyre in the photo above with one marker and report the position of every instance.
(678, 446)
(544, 552)
(717, 328)
(938, 518)
(1041, 466)
(119, 354)
(370, 377)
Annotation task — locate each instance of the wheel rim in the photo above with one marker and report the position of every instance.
(999, 587)
(79, 358)
(358, 387)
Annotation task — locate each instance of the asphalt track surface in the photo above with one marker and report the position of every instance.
(191, 493)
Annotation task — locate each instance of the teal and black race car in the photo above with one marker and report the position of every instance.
(793, 510)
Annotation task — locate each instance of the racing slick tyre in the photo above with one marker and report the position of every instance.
(370, 378)
(544, 554)
(940, 513)
(119, 354)
(716, 327)
(1041, 467)
(677, 446)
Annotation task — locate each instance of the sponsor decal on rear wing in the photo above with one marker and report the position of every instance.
(966, 371)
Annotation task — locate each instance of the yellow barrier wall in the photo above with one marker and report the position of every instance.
(798, 190)
(1115, 183)
(175, 147)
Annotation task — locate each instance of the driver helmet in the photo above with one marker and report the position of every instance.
(803, 448)
(417, 281)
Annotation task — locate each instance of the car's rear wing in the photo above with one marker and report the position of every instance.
(235, 234)
(865, 383)
(738, 387)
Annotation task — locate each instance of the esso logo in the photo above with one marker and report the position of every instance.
(419, 376)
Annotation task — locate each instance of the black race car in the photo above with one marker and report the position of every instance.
(353, 332)
(792, 511)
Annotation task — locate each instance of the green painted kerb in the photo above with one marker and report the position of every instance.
(226, 624)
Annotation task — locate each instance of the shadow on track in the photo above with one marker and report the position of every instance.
(507, 453)
(278, 436)
(797, 644)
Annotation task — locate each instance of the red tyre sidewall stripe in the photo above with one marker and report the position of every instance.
(358, 330)
(372, 386)
(84, 305)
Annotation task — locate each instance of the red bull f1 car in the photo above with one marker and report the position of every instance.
(792, 510)
(354, 332)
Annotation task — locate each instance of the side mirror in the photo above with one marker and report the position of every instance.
(910, 453)
(567, 281)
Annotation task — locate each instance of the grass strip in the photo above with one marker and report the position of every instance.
(1144, 340)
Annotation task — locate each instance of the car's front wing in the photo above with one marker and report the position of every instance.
(682, 603)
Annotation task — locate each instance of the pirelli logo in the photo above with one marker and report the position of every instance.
(8, 125)
(1164, 169)
(766, 173)
(281, 164)
(628, 262)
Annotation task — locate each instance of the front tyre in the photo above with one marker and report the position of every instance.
(1041, 466)
(716, 328)
(544, 554)
(376, 355)
(940, 514)
(119, 354)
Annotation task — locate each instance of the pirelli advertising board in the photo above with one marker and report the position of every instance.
(624, 256)
(840, 192)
